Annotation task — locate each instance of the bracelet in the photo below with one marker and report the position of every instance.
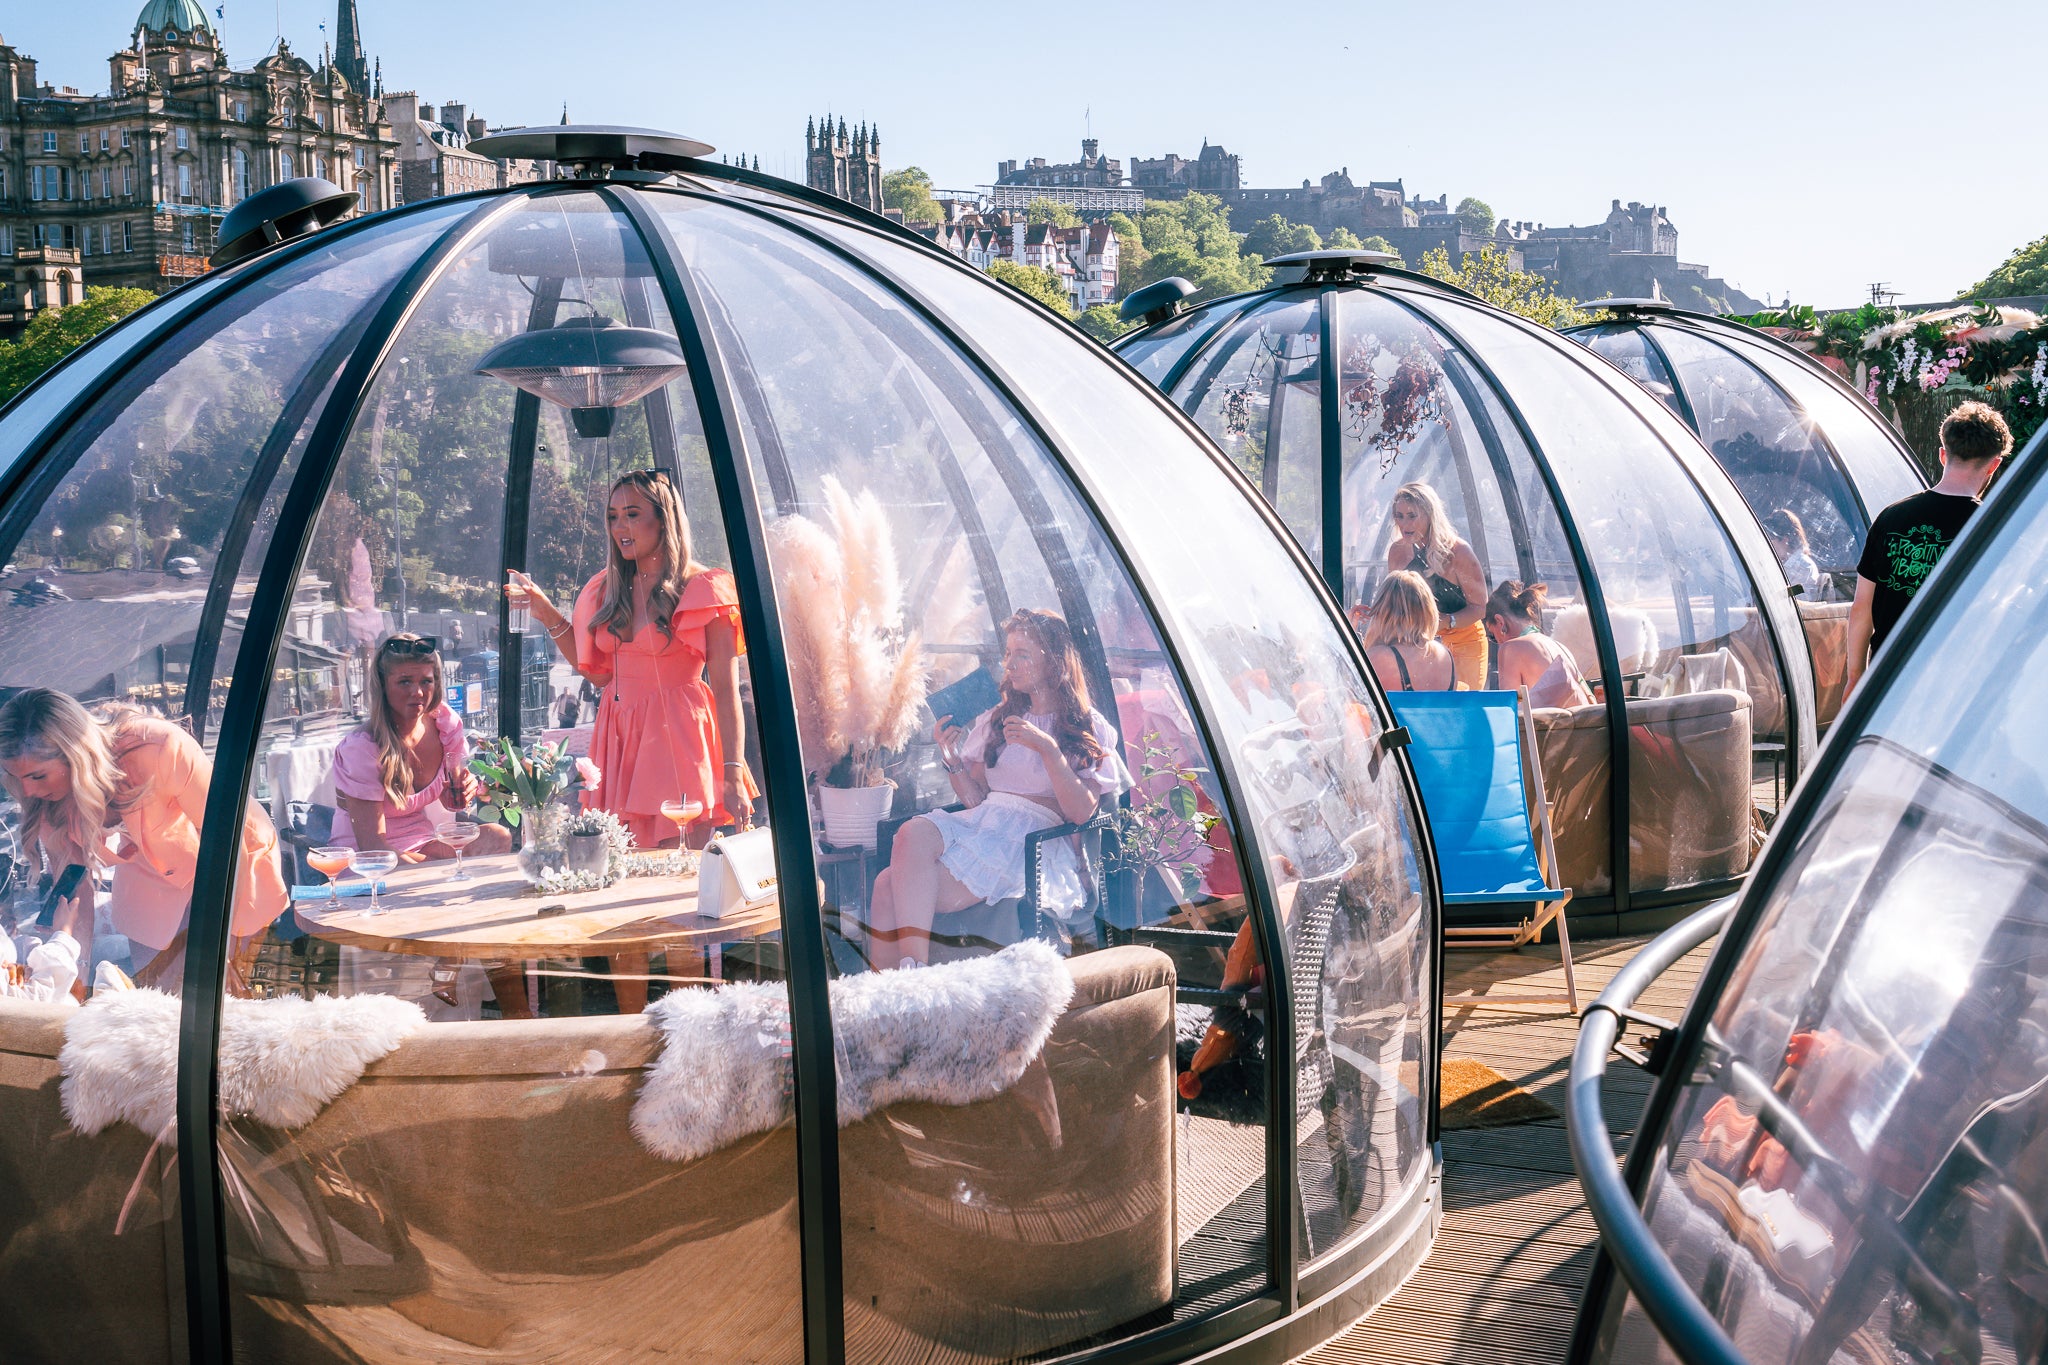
(730, 766)
(556, 632)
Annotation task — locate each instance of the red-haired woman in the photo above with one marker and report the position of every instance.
(1041, 757)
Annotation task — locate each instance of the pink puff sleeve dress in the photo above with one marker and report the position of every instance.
(407, 823)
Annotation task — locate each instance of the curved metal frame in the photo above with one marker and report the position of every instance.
(1920, 614)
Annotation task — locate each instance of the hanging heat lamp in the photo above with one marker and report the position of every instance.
(593, 366)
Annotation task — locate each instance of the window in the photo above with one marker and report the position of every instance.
(359, 156)
(106, 183)
(38, 235)
(49, 142)
(84, 142)
(6, 240)
(103, 139)
(241, 174)
(284, 164)
(64, 180)
(88, 239)
(320, 166)
(241, 109)
(3, 182)
(124, 139)
(35, 183)
(126, 244)
(128, 181)
(184, 181)
(186, 237)
(70, 236)
(184, 139)
(321, 119)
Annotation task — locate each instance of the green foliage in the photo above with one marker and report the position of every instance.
(1130, 245)
(1344, 239)
(517, 780)
(1102, 322)
(2024, 272)
(1476, 215)
(1033, 282)
(1054, 212)
(1489, 276)
(1274, 236)
(1191, 237)
(56, 333)
(1800, 316)
(910, 191)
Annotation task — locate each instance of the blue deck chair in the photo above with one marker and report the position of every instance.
(1486, 809)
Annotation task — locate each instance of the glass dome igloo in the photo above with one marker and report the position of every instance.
(1846, 1152)
(259, 532)
(1814, 461)
(1338, 389)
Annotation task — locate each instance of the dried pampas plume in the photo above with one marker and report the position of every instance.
(868, 548)
(808, 571)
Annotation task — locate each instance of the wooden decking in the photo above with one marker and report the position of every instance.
(1517, 1244)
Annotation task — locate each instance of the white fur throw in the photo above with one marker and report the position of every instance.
(281, 1060)
(951, 1034)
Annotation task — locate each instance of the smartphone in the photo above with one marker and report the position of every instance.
(64, 890)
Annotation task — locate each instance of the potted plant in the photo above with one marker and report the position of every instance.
(859, 678)
(588, 843)
(532, 790)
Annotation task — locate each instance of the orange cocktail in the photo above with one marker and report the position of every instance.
(329, 863)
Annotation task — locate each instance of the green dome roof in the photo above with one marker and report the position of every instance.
(161, 16)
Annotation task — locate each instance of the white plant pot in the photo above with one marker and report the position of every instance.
(850, 814)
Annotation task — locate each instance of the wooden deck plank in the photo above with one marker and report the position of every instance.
(1503, 1283)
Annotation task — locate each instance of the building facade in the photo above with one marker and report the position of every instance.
(136, 180)
(1085, 258)
(1214, 171)
(434, 157)
(846, 165)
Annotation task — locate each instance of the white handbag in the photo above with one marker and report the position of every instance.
(736, 873)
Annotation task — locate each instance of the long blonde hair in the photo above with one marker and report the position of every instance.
(616, 613)
(394, 765)
(50, 726)
(1438, 539)
(1403, 612)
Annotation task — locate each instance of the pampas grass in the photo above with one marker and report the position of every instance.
(857, 677)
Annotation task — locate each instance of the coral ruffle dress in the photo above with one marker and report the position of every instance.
(656, 736)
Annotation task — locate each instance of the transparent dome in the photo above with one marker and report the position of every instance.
(1847, 1154)
(838, 533)
(1814, 461)
(1335, 393)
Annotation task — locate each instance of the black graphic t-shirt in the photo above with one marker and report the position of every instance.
(1907, 539)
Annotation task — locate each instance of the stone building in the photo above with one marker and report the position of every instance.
(1214, 171)
(1376, 208)
(434, 157)
(1632, 253)
(1093, 185)
(136, 179)
(842, 164)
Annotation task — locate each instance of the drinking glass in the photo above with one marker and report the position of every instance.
(459, 836)
(373, 863)
(683, 811)
(330, 863)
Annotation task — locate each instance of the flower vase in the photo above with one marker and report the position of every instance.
(851, 815)
(543, 839)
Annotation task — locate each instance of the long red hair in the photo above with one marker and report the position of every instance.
(1073, 718)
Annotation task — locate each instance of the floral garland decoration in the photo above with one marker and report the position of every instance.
(1398, 385)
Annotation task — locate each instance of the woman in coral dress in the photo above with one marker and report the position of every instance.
(659, 635)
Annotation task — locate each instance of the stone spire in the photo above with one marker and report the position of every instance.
(348, 45)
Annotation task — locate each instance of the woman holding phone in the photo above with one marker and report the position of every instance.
(126, 791)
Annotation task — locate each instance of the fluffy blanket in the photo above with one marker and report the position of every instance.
(281, 1060)
(950, 1034)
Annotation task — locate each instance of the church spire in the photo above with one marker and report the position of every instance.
(348, 45)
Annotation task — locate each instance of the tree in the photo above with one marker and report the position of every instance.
(57, 332)
(1489, 276)
(1476, 215)
(1054, 212)
(1103, 323)
(910, 192)
(1130, 246)
(1191, 237)
(2024, 272)
(1344, 239)
(1274, 236)
(1033, 282)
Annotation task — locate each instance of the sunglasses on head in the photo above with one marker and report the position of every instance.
(416, 649)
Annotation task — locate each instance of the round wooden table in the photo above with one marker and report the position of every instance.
(494, 916)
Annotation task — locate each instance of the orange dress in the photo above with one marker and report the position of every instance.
(656, 735)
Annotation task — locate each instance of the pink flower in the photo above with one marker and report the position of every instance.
(589, 772)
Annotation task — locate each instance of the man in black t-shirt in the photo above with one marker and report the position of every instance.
(1908, 538)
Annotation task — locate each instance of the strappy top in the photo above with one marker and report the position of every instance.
(1449, 596)
(1561, 684)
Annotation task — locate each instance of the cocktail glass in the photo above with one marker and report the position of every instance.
(459, 836)
(683, 811)
(330, 863)
(373, 863)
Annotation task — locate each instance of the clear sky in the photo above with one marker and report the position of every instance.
(1799, 146)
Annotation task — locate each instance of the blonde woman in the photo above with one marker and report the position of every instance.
(1399, 631)
(659, 635)
(127, 791)
(409, 755)
(1425, 545)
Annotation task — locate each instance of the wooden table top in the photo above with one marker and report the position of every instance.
(493, 916)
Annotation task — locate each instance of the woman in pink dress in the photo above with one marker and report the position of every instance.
(659, 634)
(126, 791)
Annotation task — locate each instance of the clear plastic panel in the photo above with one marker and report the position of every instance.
(1046, 1217)
(1890, 1001)
(1777, 460)
(1257, 392)
(1330, 820)
(1155, 351)
(110, 588)
(1705, 691)
(1878, 464)
(1626, 347)
(502, 1166)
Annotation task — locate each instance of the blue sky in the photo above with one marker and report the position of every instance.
(1809, 147)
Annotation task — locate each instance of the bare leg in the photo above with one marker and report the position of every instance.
(508, 983)
(629, 981)
(920, 887)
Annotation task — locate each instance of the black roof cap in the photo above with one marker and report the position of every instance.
(594, 146)
(278, 214)
(1156, 302)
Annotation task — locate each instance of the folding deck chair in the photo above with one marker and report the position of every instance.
(1485, 804)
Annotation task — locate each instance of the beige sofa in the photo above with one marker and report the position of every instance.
(1689, 794)
(479, 1194)
(1827, 639)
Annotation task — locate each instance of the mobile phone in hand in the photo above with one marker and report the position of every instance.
(64, 890)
